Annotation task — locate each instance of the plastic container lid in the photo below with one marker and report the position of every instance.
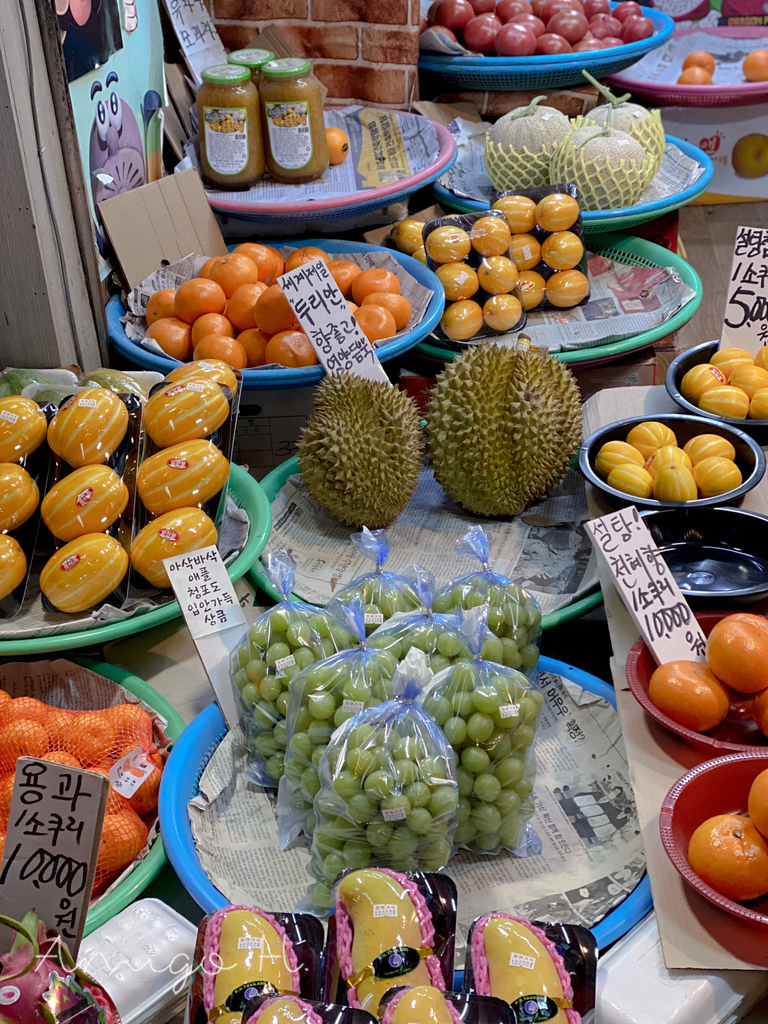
(250, 58)
(286, 67)
(225, 74)
(144, 958)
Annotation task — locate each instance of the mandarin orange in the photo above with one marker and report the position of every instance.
(198, 296)
(268, 260)
(211, 323)
(160, 305)
(274, 313)
(232, 271)
(690, 694)
(729, 854)
(241, 308)
(305, 255)
(398, 306)
(290, 348)
(254, 343)
(377, 279)
(344, 273)
(737, 652)
(376, 323)
(217, 346)
(174, 336)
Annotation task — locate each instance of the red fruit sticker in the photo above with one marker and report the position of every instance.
(84, 497)
(130, 772)
(69, 403)
(178, 463)
(167, 534)
(175, 390)
(70, 562)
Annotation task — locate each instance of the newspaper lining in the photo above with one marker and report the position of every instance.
(592, 855)
(665, 64)
(545, 550)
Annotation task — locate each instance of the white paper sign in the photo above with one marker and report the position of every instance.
(647, 587)
(327, 320)
(130, 772)
(197, 35)
(213, 616)
(745, 321)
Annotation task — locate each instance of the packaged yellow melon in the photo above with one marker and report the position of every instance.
(83, 573)
(19, 496)
(13, 568)
(89, 500)
(184, 476)
(211, 369)
(23, 426)
(185, 411)
(89, 427)
(175, 533)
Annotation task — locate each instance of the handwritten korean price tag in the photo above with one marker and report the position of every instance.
(197, 35)
(647, 587)
(327, 321)
(54, 831)
(745, 321)
(213, 616)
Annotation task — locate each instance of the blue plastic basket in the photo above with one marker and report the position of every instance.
(613, 220)
(198, 743)
(254, 380)
(545, 71)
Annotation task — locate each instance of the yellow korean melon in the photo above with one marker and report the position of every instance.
(675, 483)
(13, 565)
(23, 427)
(727, 359)
(749, 379)
(211, 369)
(758, 407)
(616, 453)
(84, 572)
(699, 379)
(19, 496)
(716, 476)
(185, 411)
(727, 401)
(708, 446)
(183, 476)
(631, 479)
(88, 500)
(650, 435)
(88, 428)
(667, 455)
(175, 533)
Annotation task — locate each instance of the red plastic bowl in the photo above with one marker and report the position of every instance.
(714, 787)
(736, 734)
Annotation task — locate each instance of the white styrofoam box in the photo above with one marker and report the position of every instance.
(634, 986)
(143, 957)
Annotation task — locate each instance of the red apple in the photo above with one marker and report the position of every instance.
(593, 7)
(623, 10)
(603, 25)
(507, 9)
(569, 24)
(536, 25)
(550, 43)
(480, 33)
(454, 14)
(636, 28)
(515, 41)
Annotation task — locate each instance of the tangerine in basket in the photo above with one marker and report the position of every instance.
(5, 697)
(690, 694)
(26, 707)
(398, 306)
(760, 712)
(737, 651)
(241, 308)
(6, 795)
(338, 145)
(160, 305)
(377, 279)
(274, 313)
(123, 838)
(290, 348)
(305, 255)
(755, 66)
(93, 739)
(174, 336)
(344, 273)
(695, 75)
(727, 401)
(228, 350)
(210, 263)
(727, 359)
(62, 757)
(60, 725)
(133, 727)
(650, 435)
(24, 737)
(144, 800)
(198, 296)
(269, 262)
(376, 323)
(729, 854)
(757, 803)
(254, 343)
(232, 271)
(700, 59)
(211, 323)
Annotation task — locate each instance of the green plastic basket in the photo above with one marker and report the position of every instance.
(247, 494)
(630, 251)
(274, 481)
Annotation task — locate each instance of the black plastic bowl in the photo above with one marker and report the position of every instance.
(749, 458)
(713, 552)
(678, 369)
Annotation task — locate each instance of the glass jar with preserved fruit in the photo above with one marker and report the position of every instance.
(229, 126)
(294, 126)
(252, 59)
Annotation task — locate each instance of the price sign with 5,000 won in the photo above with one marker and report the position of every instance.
(745, 321)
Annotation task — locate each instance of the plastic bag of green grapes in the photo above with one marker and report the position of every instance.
(323, 697)
(382, 593)
(284, 640)
(513, 614)
(388, 792)
(489, 714)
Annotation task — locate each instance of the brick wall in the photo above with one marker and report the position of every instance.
(361, 49)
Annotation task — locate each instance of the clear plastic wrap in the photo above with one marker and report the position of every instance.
(388, 792)
(286, 639)
(513, 614)
(321, 699)
(382, 593)
(489, 714)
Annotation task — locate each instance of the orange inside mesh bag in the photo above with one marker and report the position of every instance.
(85, 739)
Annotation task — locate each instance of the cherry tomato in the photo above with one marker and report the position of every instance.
(551, 7)
(536, 25)
(483, 6)
(623, 10)
(446, 32)
(569, 24)
(538, 7)
(507, 9)
(515, 41)
(603, 25)
(634, 29)
(432, 12)
(593, 7)
(550, 43)
(480, 33)
(454, 14)
(612, 41)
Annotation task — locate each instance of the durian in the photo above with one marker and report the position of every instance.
(607, 166)
(502, 426)
(360, 452)
(519, 146)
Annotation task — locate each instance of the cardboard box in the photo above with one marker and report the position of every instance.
(268, 427)
(736, 140)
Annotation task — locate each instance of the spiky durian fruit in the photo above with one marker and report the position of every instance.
(502, 426)
(360, 452)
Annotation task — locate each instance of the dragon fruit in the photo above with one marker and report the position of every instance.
(40, 984)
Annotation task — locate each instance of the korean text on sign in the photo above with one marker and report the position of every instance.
(647, 587)
(745, 321)
(204, 591)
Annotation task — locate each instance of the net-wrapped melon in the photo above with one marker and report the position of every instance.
(608, 167)
(519, 147)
